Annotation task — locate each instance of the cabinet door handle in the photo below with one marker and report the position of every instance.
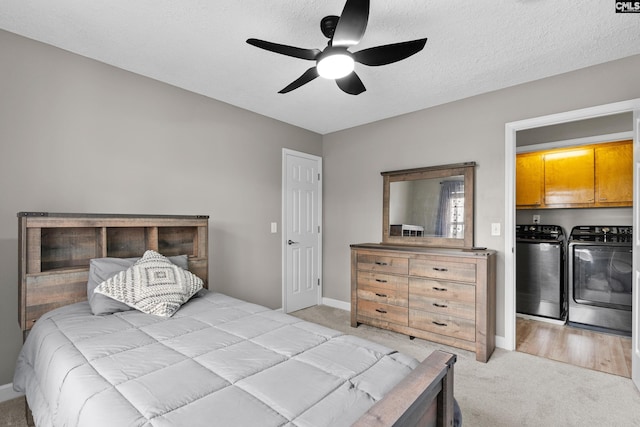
(435, 288)
(381, 263)
(440, 305)
(381, 281)
(439, 323)
(439, 269)
(379, 310)
(381, 295)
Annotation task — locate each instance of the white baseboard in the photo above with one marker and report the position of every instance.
(501, 342)
(336, 304)
(7, 392)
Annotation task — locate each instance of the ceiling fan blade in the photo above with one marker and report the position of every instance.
(351, 84)
(296, 52)
(390, 53)
(305, 78)
(352, 23)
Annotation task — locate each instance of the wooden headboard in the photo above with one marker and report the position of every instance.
(55, 250)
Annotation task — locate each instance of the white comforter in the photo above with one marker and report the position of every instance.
(217, 361)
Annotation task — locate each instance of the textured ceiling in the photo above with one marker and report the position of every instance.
(473, 47)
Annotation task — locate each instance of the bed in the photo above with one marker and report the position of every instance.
(209, 359)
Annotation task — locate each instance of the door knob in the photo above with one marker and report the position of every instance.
(291, 242)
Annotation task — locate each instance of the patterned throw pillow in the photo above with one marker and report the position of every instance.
(153, 285)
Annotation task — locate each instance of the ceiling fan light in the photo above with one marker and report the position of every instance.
(335, 66)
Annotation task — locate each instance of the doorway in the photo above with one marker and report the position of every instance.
(301, 230)
(510, 150)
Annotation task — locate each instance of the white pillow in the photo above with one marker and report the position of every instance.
(153, 285)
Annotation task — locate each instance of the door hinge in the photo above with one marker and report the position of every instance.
(318, 229)
(318, 177)
(318, 281)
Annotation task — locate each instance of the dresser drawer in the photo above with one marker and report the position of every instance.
(444, 307)
(444, 298)
(384, 312)
(383, 288)
(439, 289)
(383, 264)
(443, 268)
(451, 326)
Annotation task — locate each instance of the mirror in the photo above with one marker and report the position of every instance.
(430, 206)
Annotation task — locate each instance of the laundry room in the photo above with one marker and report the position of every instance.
(574, 215)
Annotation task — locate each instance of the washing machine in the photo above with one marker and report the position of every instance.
(540, 271)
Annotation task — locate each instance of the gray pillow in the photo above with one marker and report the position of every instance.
(101, 269)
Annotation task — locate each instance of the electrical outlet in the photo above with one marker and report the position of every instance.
(274, 227)
(495, 228)
(536, 219)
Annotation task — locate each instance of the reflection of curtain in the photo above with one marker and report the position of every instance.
(451, 210)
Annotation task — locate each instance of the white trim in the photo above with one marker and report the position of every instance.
(635, 305)
(510, 149)
(330, 302)
(7, 392)
(501, 342)
(508, 342)
(283, 219)
(588, 140)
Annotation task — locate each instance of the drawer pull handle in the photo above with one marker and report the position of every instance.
(381, 295)
(379, 310)
(381, 263)
(440, 269)
(381, 281)
(440, 305)
(439, 323)
(435, 288)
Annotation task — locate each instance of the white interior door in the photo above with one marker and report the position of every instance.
(635, 331)
(302, 209)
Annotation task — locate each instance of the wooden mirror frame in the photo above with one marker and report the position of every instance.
(466, 169)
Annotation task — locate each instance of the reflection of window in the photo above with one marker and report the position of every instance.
(451, 210)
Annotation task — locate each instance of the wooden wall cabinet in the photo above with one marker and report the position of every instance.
(569, 177)
(55, 250)
(614, 166)
(530, 179)
(442, 295)
(599, 175)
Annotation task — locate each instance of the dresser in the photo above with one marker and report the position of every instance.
(441, 295)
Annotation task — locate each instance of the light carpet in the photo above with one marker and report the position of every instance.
(512, 388)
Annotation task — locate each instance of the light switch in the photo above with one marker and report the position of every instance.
(274, 227)
(495, 228)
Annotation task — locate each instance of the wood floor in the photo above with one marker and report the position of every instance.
(576, 346)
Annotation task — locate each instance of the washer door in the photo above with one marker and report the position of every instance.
(602, 276)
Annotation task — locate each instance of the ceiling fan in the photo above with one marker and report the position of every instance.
(335, 61)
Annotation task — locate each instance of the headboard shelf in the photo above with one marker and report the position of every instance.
(56, 249)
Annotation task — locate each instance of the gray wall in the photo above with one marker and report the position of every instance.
(472, 129)
(597, 126)
(79, 136)
(569, 218)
